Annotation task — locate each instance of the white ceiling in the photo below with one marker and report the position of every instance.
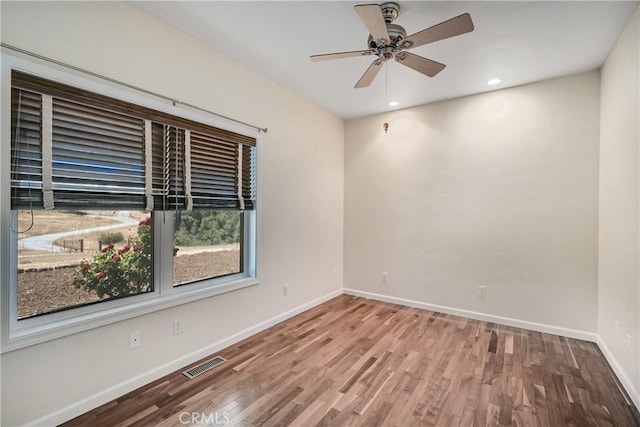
(517, 41)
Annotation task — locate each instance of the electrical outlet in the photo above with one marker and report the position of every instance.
(385, 277)
(285, 290)
(616, 327)
(482, 291)
(628, 340)
(134, 340)
(177, 327)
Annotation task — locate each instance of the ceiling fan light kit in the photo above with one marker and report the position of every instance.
(390, 41)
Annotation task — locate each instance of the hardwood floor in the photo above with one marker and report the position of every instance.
(358, 362)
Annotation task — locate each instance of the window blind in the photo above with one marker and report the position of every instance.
(26, 148)
(217, 177)
(168, 167)
(98, 158)
(101, 156)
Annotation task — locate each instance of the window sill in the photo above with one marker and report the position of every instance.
(35, 334)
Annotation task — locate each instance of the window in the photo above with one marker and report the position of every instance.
(68, 259)
(108, 197)
(207, 244)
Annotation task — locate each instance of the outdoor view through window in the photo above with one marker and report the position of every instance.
(72, 258)
(207, 244)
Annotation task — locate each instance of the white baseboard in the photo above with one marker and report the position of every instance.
(540, 327)
(69, 412)
(633, 393)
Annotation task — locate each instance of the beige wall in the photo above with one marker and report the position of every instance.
(619, 243)
(300, 217)
(497, 189)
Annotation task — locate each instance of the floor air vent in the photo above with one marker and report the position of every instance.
(204, 367)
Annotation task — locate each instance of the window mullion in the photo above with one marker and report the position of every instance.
(163, 252)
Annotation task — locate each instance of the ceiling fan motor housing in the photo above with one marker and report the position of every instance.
(388, 50)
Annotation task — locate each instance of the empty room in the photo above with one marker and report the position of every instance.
(299, 213)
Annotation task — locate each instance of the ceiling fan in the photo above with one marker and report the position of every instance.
(389, 41)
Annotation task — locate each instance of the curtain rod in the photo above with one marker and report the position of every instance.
(130, 86)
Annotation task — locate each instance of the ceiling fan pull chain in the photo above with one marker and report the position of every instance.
(385, 126)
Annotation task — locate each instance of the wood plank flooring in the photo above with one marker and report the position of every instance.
(358, 362)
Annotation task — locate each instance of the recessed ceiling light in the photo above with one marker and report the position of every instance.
(493, 82)
(394, 104)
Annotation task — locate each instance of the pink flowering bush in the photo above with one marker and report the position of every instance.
(116, 272)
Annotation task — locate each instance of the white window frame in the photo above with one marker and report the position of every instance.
(26, 332)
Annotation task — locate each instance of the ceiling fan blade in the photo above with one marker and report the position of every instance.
(453, 27)
(340, 55)
(371, 16)
(420, 64)
(370, 74)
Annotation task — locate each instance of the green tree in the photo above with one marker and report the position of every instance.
(107, 238)
(200, 228)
